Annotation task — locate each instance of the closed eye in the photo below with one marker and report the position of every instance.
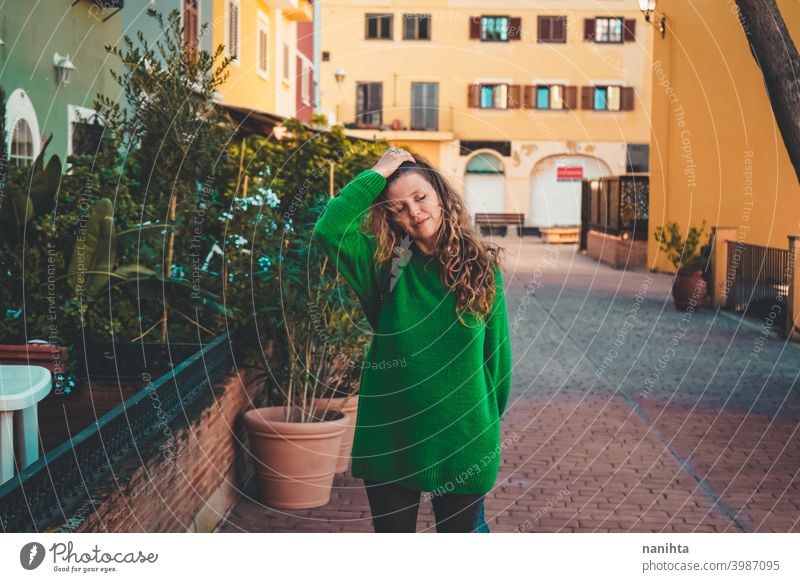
(396, 209)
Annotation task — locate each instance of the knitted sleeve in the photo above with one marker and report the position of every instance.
(497, 346)
(351, 251)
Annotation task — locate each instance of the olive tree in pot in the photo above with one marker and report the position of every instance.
(689, 287)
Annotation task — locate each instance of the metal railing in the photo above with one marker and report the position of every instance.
(49, 488)
(757, 280)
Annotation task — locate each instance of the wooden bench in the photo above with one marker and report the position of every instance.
(497, 223)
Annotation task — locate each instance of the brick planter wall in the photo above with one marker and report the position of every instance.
(617, 252)
(64, 415)
(184, 480)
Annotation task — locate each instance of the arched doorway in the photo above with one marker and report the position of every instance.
(556, 189)
(484, 185)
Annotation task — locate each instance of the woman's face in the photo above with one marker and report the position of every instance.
(415, 205)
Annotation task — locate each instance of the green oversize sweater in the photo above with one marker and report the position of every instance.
(432, 390)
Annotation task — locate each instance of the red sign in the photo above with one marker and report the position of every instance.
(569, 173)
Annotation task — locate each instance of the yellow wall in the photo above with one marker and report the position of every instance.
(245, 87)
(710, 105)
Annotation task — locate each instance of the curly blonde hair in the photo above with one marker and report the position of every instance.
(467, 262)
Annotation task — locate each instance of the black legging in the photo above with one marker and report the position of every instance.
(394, 510)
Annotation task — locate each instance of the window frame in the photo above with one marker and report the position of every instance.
(14, 160)
(77, 114)
(495, 17)
(608, 19)
(429, 111)
(262, 25)
(416, 18)
(378, 18)
(552, 18)
(18, 106)
(494, 85)
(562, 89)
(368, 100)
(606, 87)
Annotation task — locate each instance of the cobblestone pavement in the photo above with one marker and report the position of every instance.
(625, 414)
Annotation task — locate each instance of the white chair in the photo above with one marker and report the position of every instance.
(21, 389)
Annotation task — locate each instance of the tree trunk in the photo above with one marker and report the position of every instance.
(776, 56)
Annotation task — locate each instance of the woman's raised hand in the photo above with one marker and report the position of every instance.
(391, 160)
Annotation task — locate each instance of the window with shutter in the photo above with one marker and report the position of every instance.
(232, 28)
(608, 30)
(550, 97)
(494, 95)
(610, 98)
(494, 28)
(552, 29)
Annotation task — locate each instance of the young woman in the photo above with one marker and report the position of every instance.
(437, 374)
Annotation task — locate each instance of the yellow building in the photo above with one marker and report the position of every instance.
(271, 70)
(516, 103)
(716, 152)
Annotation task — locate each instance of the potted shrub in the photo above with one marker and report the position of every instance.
(290, 294)
(689, 288)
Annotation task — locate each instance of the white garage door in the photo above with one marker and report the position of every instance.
(484, 186)
(557, 202)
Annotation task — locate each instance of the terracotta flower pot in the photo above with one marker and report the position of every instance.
(295, 462)
(351, 408)
(688, 288)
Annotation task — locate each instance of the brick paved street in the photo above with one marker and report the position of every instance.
(625, 414)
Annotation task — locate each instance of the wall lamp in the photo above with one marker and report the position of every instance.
(64, 68)
(648, 8)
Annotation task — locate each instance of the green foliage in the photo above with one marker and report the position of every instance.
(282, 284)
(688, 254)
(162, 223)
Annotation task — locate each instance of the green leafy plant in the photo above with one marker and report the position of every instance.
(686, 254)
(285, 288)
(174, 142)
